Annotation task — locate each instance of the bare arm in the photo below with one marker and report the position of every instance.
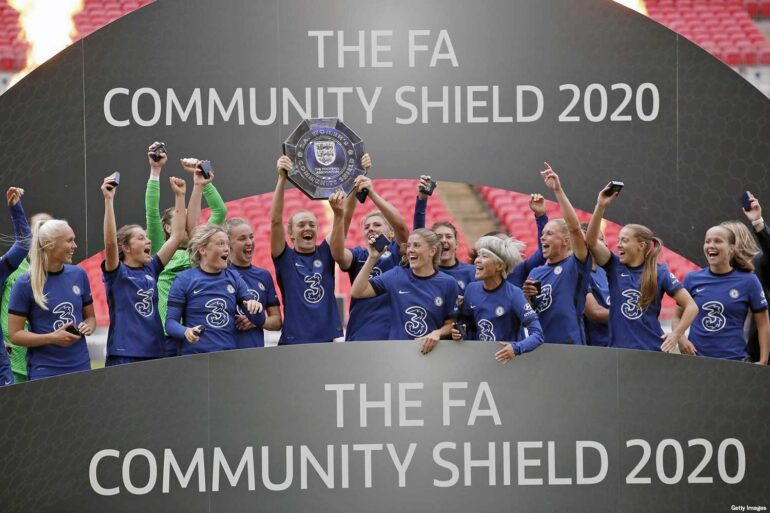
(21, 337)
(596, 312)
(361, 287)
(178, 222)
(274, 321)
(689, 310)
(577, 240)
(340, 253)
(111, 260)
(763, 332)
(194, 205)
(598, 248)
(277, 232)
(392, 216)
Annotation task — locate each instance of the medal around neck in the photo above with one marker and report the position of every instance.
(327, 157)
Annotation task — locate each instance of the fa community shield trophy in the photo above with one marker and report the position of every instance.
(327, 157)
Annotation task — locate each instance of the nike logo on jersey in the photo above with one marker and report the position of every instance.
(196, 291)
(624, 275)
(473, 306)
(403, 292)
(699, 290)
(298, 264)
(8, 382)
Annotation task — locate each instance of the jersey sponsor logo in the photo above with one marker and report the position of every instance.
(674, 279)
(144, 306)
(416, 325)
(76, 290)
(218, 317)
(66, 313)
(499, 311)
(376, 271)
(714, 320)
(527, 307)
(254, 295)
(317, 263)
(486, 330)
(315, 291)
(557, 270)
(438, 301)
(630, 307)
(734, 293)
(544, 299)
(230, 288)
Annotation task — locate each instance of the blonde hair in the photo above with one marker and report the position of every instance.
(652, 248)
(745, 244)
(290, 224)
(431, 239)
(740, 259)
(44, 233)
(507, 250)
(233, 222)
(200, 237)
(377, 213)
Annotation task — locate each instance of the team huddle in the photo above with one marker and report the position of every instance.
(175, 287)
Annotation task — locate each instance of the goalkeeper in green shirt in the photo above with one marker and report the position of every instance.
(159, 224)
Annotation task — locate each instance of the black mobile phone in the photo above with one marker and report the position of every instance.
(158, 150)
(381, 242)
(72, 329)
(114, 179)
(538, 286)
(205, 168)
(614, 187)
(199, 329)
(283, 147)
(746, 198)
(362, 194)
(461, 328)
(431, 186)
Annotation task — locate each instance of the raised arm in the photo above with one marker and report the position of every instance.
(152, 201)
(421, 203)
(194, 205)
(277, 231)
(598, 248)
(111, 250)
(340, 253)
(178, 222)
(20, 248)
(577, 240)
(361, 287)
(350, 201)
(389, 212)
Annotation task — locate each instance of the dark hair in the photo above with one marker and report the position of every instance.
(124, 236)
(165, 219)
(445, 224)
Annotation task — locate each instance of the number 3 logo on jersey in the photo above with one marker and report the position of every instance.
(416, 326)
(714, 320)
(218, 318)
(630, 307)
(315, 291)
(66, 313)
(543, 300)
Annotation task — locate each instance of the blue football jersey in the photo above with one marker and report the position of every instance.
(310, 309)
(561, 302)
(132, 297)
(462, 273)
(198, 298)
(370, 317)
(418, 305)
(598, 334)
(630, 326)
(498, 315)
(261, 288)
(67, 292)
(724, 301)
(519, 273)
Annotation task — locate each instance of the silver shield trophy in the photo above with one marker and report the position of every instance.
(327, 157)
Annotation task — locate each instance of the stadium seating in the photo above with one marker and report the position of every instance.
(724, 28)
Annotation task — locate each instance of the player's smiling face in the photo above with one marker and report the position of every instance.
(215, 253)
(554, 241)
(630, 248)
(303, 231)
(717, 247)
(241, 244)
(138, 250)
(486, 266)
(63, 247)
(448, 244)
(374, 226)
(419, 253)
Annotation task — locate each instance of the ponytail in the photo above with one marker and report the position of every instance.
(43, 234)
(652, 248)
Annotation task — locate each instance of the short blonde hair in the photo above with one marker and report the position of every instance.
(200, 237)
